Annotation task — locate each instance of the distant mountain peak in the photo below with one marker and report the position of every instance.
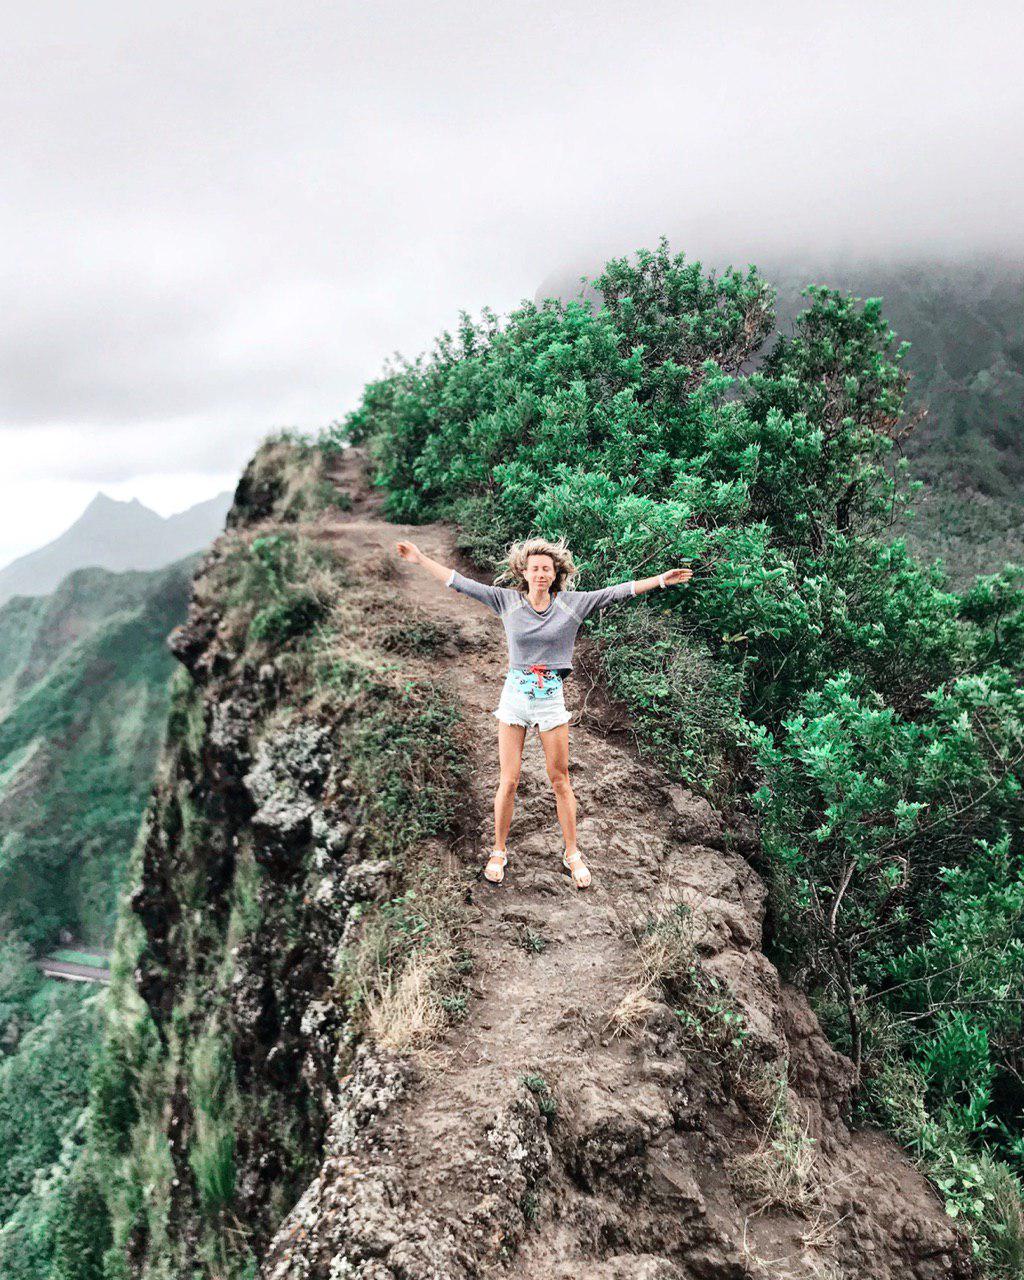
(116, 534)
(104, 500)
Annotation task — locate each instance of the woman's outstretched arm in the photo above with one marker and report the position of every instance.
(495, 598)
(410, 551)
(673, 577)
(588, 602)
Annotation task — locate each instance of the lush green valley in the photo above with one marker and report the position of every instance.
(84, 689)
(84, 696)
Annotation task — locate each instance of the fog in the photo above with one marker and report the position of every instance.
(220, 220)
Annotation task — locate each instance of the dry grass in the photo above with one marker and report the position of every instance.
(326, 586)
(297, 471)
(400, 972)
(406, 1011)
(782, 1170)
(668, 968)
(807, 1265)
(821, 1231)
(630, 1014)
(382, 567)
(664, 951)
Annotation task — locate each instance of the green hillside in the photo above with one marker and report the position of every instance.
(84, 693)
(49, 1034)
(84, 690)
(965, 326)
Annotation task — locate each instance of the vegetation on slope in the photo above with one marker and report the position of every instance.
(48, 1037)
(966, 322)
(84, 690)
(966, 362)
(873, 713)
(280, 889)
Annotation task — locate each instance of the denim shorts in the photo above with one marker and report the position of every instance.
(541, 704)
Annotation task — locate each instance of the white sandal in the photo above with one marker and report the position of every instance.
(500, 868)
(577, 868)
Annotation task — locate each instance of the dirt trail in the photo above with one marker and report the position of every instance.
(446, 1166)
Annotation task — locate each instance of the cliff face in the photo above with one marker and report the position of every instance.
(337, 1052)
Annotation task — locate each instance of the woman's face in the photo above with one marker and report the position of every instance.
(540, 572)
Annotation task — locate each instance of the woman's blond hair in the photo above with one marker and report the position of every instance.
(514, 572)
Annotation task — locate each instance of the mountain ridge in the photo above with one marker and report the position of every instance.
(572, 1124)
(117, 535)
(84, 674)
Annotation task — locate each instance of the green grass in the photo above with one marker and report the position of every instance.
(68, 956)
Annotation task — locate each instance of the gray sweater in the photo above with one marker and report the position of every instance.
(535, 637)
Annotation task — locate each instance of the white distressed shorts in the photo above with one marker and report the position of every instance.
(540, 703)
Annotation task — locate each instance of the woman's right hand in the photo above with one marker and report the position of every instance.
(408, 551)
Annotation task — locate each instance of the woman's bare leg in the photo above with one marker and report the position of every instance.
(510, 759)
(556, 757)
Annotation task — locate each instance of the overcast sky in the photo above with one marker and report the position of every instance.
(221, 219)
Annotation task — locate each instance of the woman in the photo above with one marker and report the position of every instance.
(541, 617)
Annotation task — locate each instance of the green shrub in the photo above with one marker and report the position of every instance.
(293, 615)
(875, 713)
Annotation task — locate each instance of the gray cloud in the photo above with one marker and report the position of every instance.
(223, 218)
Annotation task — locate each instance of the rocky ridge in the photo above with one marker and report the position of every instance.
(554, 1130)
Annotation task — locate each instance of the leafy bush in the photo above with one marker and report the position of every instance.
(875, 713)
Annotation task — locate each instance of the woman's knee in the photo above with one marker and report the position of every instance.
(559, 779)
(507, 784)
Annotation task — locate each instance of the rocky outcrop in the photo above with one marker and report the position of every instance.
(580, 1115)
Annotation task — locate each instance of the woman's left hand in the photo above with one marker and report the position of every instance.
(675, 576)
